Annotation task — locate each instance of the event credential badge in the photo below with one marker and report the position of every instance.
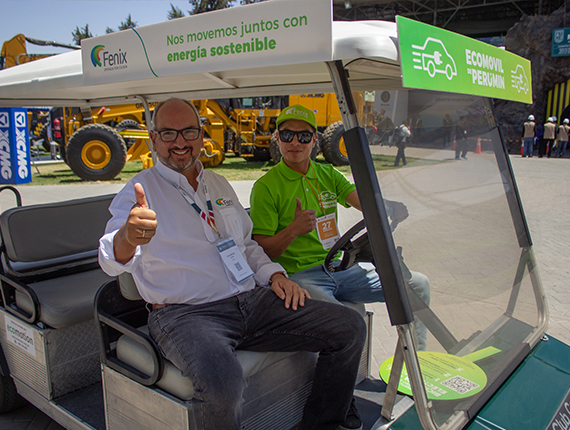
(327, 230)
(234, 259)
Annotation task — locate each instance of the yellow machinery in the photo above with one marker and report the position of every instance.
(14, 51)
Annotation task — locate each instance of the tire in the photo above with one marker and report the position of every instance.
(260, 154)
(333, 147)
(96, 152)
(128, 123)
(275, 152)
(9, 397)
(44, 135)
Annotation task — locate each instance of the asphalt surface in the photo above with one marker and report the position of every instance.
(544, 186)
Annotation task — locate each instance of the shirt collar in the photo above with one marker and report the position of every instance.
(293, 175)
(178, 178)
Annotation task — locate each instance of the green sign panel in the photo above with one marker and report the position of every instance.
(561, 42)
(437, 59)
(446, 377)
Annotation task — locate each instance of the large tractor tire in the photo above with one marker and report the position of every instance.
(96, 152)
(275, 152)
(260, 154)
(125, 124)
(9, 397)
(334, 148)
(44, 135)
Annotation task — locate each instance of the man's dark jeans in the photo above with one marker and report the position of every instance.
(201, 341)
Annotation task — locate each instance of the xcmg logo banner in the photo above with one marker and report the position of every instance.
(14, 147)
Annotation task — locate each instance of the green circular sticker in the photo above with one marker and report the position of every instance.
(446, 376)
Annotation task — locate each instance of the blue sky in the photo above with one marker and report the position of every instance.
(56, 19)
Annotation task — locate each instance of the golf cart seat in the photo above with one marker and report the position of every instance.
(278, 383)
(49, 278)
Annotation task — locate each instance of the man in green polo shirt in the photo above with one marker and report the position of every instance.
(294, 214)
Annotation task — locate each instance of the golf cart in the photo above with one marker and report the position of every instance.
(488, 363)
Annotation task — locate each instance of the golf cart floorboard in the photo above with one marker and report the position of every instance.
(81, 409)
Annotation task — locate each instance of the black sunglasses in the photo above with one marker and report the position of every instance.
(304, 136)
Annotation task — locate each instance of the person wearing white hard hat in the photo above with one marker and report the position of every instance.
(563, 132)
(528, 134)
(548, 140)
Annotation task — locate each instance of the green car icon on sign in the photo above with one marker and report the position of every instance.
(434, 58)
(519, 79)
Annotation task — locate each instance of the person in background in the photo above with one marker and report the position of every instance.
(528, 134)
(447, 129)
(547, 142)
(401, 136)
(563, 132)
(461, 139)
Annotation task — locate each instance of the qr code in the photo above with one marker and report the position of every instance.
(459, 384)
(238, 266)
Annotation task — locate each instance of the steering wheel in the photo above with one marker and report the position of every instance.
(358, 250)
(353, 251)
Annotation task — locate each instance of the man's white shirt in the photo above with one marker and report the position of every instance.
(181, 263)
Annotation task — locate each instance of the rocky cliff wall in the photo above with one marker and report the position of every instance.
(531, 38)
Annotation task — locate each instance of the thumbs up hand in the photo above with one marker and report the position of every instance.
(141, 224)
(304, 221)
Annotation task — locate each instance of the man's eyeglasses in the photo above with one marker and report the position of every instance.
(304, 136)
(172, 135)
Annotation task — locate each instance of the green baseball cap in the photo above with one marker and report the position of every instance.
(297, 112)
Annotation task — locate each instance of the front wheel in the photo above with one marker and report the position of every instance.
(9, 397)
(96, 152)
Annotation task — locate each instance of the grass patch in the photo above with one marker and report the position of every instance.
(233, 169)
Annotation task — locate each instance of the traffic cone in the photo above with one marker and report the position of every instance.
(478, 147)
(522, 147)
(454, 144)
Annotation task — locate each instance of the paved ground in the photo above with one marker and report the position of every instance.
(544, 186)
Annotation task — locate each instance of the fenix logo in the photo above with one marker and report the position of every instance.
(100, 57)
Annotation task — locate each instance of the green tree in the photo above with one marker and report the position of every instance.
(81, 33)
(128, 23)
(250, 1)
(175, 12)
(109, 30)
(201, 6)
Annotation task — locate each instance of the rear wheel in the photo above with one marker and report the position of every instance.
(334, 148)
(9, 397)
(96, 152)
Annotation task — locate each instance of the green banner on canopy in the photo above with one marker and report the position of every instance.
(437, 59)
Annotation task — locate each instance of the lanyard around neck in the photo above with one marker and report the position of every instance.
(207, 217)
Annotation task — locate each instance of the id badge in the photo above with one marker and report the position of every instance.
(327, 230)
(234, 259)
